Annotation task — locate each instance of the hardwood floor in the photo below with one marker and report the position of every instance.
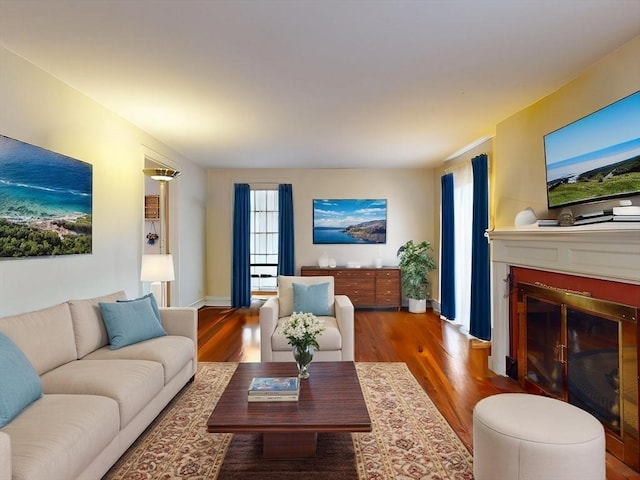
(437, 354)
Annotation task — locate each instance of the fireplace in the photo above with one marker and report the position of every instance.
(565, 303)
(582, 350)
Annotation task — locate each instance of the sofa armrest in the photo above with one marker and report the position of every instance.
(269, 314)
(182, 321)
(5, 456)
(345, 320)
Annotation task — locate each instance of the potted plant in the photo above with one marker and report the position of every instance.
(416, 262)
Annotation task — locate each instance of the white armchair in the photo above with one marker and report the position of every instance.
(336, 342)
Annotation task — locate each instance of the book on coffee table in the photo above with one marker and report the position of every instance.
(274, 386)
(273, 398)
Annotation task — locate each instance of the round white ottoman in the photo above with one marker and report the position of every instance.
(530, 437)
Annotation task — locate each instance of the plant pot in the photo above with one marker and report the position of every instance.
(417, 306)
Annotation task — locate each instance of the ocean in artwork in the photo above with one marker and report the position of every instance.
(335, 235)
(44, 191)
(37, 184)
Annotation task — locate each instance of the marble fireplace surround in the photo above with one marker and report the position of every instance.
(606, 251)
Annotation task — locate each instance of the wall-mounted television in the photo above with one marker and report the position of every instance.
(596, 157)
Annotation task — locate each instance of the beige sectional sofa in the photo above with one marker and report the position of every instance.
(96, 401)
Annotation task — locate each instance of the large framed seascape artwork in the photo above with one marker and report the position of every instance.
(45, 202)
(345, 221)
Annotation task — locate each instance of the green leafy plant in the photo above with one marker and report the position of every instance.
(415, 262)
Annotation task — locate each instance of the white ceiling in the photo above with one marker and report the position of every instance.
(322, 83)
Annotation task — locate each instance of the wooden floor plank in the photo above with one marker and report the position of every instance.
(435, 351)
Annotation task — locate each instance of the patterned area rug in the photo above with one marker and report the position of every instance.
(334, 460)
(410, 438)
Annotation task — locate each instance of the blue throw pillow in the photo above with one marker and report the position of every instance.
(152, 299)
(311, 298)
(130, 322)
(19, 382)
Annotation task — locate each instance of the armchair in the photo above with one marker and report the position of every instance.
(336, 342)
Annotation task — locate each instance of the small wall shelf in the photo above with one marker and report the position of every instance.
(152, 207)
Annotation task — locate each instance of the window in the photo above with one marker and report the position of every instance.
(264, 240)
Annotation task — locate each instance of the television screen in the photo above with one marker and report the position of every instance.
(596, 157)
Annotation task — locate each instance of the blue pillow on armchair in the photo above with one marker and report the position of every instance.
(311, 298)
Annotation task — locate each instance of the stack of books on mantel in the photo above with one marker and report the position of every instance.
(625, 213)
(274, 389)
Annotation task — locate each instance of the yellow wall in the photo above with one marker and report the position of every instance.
(519, 173)
(37, 108)
(410, 214)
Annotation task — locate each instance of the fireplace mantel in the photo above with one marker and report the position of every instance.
(607, 251)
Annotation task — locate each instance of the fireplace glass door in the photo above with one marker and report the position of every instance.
(583, 351)
(593, 356)
(545, 333)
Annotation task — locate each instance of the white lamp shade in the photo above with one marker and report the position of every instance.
(157, 268)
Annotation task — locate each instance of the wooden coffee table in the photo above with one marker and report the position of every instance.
(330, 401)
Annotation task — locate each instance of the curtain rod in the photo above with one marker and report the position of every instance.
(461, 163)
(263, 184)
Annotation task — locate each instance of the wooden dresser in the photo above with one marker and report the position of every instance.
(366, 287)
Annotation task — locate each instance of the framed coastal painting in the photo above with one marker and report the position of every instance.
(349, 221)
(45, 202)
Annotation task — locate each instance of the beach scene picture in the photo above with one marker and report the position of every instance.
(45, 202)
(349, 221)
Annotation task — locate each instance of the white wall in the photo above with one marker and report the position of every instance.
(38, 109)
(188, 243)
(410, 214)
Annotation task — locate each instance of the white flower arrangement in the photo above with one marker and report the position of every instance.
(302, 329)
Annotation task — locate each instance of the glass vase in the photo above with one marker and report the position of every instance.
(303, 356)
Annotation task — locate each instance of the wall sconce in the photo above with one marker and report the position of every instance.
(161, 174)
(157, 269)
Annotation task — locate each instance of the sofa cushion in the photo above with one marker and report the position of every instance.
(330, 339)
(44, 336)
(131, 383)
(172, 351)
(311, 298)
(285, 292)
(130, 322)
(19, 383)
(58, 436)
(88, 327)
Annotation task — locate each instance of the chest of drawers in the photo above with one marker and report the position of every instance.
(366, 287)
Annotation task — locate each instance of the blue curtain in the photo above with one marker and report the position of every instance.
(448, 240)
(240, 269)
(480, 285)
(286, 257)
